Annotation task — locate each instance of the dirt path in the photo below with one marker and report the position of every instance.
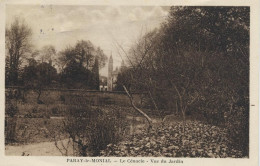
(36, 149)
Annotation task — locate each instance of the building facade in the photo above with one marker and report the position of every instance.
(112, 74)
(103, 83)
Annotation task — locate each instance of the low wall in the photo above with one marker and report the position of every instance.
(74, 96)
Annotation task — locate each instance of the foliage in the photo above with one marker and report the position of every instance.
(84, 53)
(101, 57)
(76, 76)
(123, 79)
(38, 76)
(33, 130)
(80, 65)
(196, 63)
(92, 129)
(95, 71)
(238, 129)
(43, 72)
(19, 48)
(11, 109)
(168, 141)
(199, 61)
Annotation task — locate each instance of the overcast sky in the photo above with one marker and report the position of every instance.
(62, 26)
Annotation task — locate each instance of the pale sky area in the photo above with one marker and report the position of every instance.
(62, 26)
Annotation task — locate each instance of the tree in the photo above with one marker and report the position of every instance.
(39, 76)
(101, 57)
(218, 40)
(76, 76)
(86, 54)
(123, 79)
(80, 65)
(47, 53)
(66, 56)
(84, 51)
(95, 71)
(138, 77)
(199, 59)
(17, 46)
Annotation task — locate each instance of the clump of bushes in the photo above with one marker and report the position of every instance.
(92, 129)
(37, 113)
(11, 109)
(238, 129)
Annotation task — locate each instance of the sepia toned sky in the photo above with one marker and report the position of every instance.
(104, 26)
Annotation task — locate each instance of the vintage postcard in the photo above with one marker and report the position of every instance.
(122, 83)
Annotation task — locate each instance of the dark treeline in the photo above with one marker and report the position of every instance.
(73, 67)
(197, 63)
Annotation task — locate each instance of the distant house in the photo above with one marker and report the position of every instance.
(103, 83)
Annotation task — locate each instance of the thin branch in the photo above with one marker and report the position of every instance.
(137, 109)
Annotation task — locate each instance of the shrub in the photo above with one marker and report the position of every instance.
(54, 111)
(37, 113)
(11, 109)
(93, 129)
(238, 130)
(10, 122)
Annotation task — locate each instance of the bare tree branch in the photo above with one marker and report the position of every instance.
(137, 109)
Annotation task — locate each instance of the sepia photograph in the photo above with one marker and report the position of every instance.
(127, 81)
